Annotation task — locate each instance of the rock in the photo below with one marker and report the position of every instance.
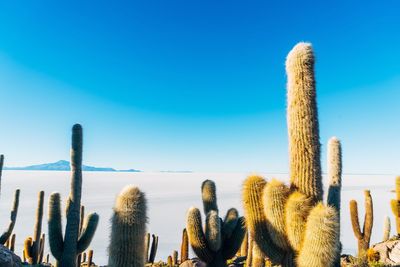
(8, 258)
(389, 251)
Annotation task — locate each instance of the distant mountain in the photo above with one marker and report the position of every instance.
(63, 165)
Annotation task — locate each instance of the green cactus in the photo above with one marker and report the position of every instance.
(65, 250)
(220, 239)
(363, 236)
(33, 245)
(289, 224)
(128, 230)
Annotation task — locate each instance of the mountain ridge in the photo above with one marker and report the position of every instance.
(64, 165)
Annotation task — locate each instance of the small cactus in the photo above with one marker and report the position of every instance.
(386, 229)
(33, 245)
(66, 249)
(174, 258)
(220, 239)
(395, 205)
(184, 246)
(363, 236)
(128, 229)
(151, 247)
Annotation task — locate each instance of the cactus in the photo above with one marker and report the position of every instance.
(184, 246)
(7, 233)
(363, 237)
(258, 258)
(220, 239)
(395, 205)
(174, 258)
(245, 245)
(169, 261)
(150, 257)
(386, 229)
(90, 258)
(289, 224)
(33, 245)
(66, 249)
(128, 230)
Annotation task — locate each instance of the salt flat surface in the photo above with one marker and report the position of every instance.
(169, 197)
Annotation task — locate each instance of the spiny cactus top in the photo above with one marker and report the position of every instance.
(302, 120)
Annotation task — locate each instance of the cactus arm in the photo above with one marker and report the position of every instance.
(234, 242)
(88, 231)
(395, 205)
(256, 220)
(153, 249)
(28, 249)
(321, 243)
(245, 245)
(41, 249)
(334, 172)
(196, 235)
(369, 216)
(147, 247)
(355, 223)
(230, 222)
(297, 209)
(213, 231)
(13, 217)
(275, 195)
(209, 196)
(302, 120)
(56, 241)
(184, 246)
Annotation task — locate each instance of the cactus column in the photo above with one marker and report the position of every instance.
(290, 225)
(66, 249)
(395, 205)
(363, 236)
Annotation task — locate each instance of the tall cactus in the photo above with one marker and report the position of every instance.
(220, 239)
(128, 230)
(364, 236)
(66, 249)
(33, 245)
(395, 205)
(13, 217)
(289, 224)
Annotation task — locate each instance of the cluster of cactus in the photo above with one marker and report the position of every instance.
(290, 224)
(363, 236)
(66, 250)
(220, 239)
(128, 230)
(13, 217)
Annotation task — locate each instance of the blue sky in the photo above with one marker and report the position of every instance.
(195, 85)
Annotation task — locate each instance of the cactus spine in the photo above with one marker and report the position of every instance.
(128, 230)
(220, 239)
(66, 249)
(363, 236)
(395, 205)
(33, 245)
(386, 229)
(184, 246)
(290, 225)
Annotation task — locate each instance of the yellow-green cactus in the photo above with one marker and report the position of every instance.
(290, 223)
(184, 246)
(395, 205)
(364, 236)
(34, 252)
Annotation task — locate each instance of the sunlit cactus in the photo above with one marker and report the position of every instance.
(128, 229)
(289, 223)
(151, 248)
(13, 218)
(395, 205)
(33, 245)
(386, 229)
(220, 239)
(363, 236)
(66, 249)
(184, 246)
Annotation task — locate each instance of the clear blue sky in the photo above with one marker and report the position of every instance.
(195, 85)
